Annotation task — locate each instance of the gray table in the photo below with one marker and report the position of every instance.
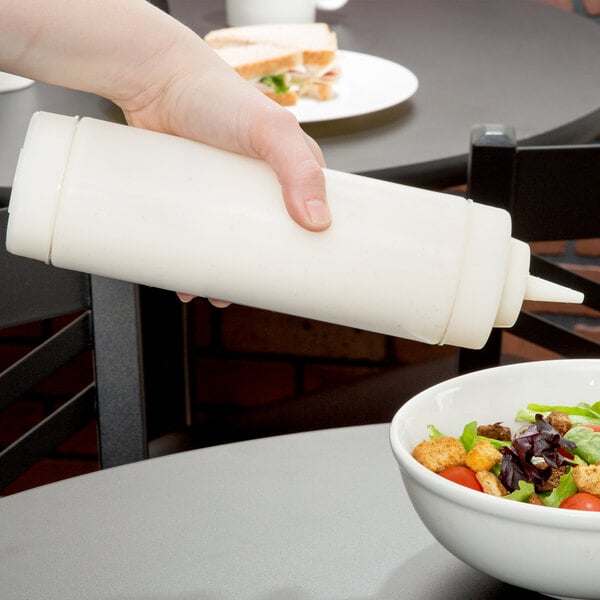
(519, 62)
(321, 515)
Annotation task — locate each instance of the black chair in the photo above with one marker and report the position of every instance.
(104, 323)
(552, 193)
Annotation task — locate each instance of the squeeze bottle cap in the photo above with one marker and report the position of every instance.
(547, 291)
(520, 285)
(495, 281)
(31, 224)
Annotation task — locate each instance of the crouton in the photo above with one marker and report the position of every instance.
(560, 421)
(535, 499)
(587, 478)
(491, 484)
(553, 479)
(440, 453)
(483, 456)
(496, 431)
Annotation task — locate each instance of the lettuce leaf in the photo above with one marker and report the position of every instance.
(582, 413)
(587, 443)
(435, 433)
(277, 82)
(566, 487)
(468, 438)
(522, 493)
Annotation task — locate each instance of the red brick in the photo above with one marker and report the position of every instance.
(560, 308)
(590, 247)
(589, 331)
(251, 330)
(554, 248)
(317, 376)
(514, 346)
(460, 189)
(409, 351)
(242, 382)
(589, 271)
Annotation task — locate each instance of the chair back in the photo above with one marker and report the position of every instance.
(98, 317)
(552, 193)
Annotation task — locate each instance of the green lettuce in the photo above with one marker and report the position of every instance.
(582, 413)
(566, 487)
(523, 493)
(587, 443)
(277, 82)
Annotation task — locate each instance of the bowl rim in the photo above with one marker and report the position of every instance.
(478, 501)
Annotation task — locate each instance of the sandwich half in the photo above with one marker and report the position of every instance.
(285, 61)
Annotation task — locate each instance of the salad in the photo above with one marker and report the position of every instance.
(552, 460)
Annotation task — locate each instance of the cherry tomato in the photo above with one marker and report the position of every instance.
(463, 476)
(581, 501)
(565, 453)
(592, 426)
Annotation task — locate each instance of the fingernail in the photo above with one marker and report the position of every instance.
(318, 212)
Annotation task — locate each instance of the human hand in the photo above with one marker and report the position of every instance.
(164, 78)
(194, 94)
(212, 104)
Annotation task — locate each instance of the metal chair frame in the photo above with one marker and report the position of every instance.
(552, 193)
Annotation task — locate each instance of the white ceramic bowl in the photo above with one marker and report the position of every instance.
(549, 550)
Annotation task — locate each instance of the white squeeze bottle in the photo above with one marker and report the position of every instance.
(167, 212)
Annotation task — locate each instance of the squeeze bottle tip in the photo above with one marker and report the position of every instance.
(546, 291)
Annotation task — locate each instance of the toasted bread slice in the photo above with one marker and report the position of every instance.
(289, 98)
(316, 42)
(258, 60)
(317, 90)
(255, 61)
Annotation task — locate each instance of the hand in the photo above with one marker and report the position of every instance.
(209, 102)
(214, 105)
(165, 78)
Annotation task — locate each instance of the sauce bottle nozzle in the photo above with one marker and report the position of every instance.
(547, 291)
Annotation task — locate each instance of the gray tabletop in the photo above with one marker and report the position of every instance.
(319, 515)
(518, 62)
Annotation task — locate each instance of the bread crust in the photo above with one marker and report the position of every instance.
(288, 98)
(317, 90)
(258, 50)
(316, 42)
(267, 67)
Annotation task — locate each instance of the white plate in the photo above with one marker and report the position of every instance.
(10, 83)
(367, 84)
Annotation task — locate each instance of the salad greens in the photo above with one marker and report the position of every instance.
(538, 442)
(587, 444)
(277, 82)
(582, 413)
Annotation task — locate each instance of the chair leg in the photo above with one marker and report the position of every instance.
(119, 378)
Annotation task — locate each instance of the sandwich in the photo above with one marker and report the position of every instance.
(285, 61)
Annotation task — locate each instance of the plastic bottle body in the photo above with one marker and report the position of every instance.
(171, 213)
